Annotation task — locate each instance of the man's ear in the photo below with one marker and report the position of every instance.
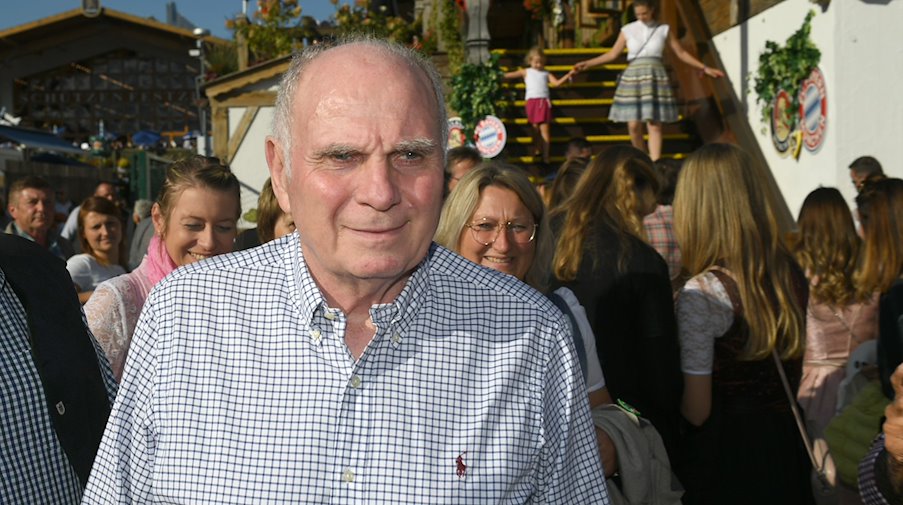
(278, 177)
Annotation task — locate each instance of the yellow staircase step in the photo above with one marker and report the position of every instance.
(567, 102)
(567, 68)
(557, 160)
(599, 139)
(555, 52)
(581, 85)
(522, 121)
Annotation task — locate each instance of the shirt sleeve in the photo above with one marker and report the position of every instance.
(80, 271)
(595, 380)
(124, 466)
(704, 313)
(871, 473)
(570, 468)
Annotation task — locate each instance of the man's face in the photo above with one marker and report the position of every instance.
(106, 191)
(857, 179)
(459, 170)
(366, 166)
(33, 211)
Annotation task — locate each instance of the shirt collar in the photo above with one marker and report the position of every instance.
(398, 313)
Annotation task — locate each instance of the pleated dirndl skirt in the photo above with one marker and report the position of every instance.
(644, 93)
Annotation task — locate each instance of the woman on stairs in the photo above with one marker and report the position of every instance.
(644, 90)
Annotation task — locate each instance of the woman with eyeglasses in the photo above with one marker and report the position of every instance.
(601, 255)
(495, 217)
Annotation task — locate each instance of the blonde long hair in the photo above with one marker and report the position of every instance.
(607, 192)
(827, 247)
(463, 201)
(722, 217)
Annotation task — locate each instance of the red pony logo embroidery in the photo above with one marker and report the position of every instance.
(461, 466)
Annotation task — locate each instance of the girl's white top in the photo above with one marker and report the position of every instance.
(537, 82)
(636, 34)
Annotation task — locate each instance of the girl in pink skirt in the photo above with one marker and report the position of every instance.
(539, 107)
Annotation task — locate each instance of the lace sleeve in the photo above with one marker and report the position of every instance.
(704, 313)
(106, 318)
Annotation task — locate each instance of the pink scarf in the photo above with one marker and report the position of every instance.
(159, 264)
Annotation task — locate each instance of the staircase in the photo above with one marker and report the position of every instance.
(579, 109)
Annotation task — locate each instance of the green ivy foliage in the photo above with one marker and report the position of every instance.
(274, 29)
(450, 33)
(359, 19)
(476, 90)
(785, 68)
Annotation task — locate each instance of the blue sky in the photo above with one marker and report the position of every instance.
(210, 14)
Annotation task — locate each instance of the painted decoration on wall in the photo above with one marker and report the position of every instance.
(456, 137)
(490, 136)
(792, 128)
(791, 91)
(813, 110)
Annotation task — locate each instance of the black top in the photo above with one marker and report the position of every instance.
(62, 349)
(890, 334)
(632, 315)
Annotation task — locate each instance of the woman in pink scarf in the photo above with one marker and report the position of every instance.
(194, 219)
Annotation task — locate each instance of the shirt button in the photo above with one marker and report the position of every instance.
(330, 315)
(315, 333)
(348, 476)
(396, 338)
(355, 381)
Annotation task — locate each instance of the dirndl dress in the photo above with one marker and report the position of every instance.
(644, 93)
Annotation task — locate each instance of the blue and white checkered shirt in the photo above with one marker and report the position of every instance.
(239, 389)
(33, 466)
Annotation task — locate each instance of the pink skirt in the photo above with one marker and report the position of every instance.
(539, 110)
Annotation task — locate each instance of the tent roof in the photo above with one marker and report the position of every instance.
(36, 139)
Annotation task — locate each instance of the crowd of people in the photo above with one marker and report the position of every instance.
(398, 333)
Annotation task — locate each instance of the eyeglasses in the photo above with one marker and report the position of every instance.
(486, 231)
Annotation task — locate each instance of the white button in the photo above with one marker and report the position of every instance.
(355, 381)
(348, 476)
(315, 333)
(330, 315)
(396, 338)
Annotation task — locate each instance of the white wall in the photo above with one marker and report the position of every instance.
(250, 164)
(862, 61)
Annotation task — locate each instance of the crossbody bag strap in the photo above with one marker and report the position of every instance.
(576, 334)
(646, 42)
(800, 424)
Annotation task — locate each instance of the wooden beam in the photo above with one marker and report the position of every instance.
(220, 131)
(247, 119)
(246, 77)
(252, 99)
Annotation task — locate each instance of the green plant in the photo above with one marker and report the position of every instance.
(538, 9)
(476, 90)
(785, 68)
(220, 59)
(273, 31)
(450, 34)
(359, 19)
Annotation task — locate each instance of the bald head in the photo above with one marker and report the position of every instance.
(366, 62)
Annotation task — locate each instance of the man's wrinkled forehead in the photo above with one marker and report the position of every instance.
(359, 65)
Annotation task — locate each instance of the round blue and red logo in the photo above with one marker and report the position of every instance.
(813, 100)
(490, 136)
